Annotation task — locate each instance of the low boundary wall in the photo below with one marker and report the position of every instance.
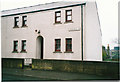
(12, 63)
(89, 67)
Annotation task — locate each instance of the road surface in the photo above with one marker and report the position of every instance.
(9, 74)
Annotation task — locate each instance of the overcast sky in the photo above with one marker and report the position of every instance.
(107, 10)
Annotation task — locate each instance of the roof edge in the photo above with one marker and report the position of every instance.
(44, 9)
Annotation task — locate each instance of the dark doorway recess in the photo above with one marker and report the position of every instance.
(39, 47)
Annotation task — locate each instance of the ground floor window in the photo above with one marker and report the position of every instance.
(57, 44)
(15, 46)
(23, 46)
(68, 44)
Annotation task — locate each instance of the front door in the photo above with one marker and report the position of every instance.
(39, 47)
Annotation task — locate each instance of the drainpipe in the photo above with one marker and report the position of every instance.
(82, 32)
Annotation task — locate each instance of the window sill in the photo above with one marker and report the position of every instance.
(15, 52)
(16, 27)
(23, 52)
(57, 52)
(57, 23)
(68, 52)
(68, 22)
(24, 26)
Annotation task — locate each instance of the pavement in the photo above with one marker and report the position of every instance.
(9, 74)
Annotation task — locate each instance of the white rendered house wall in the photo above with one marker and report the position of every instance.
(44, 22)
(92, 34)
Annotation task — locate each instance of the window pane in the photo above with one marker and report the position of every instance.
(16, 23)
(24, 42)
(57, 44)
(57, 41)
(25, 18)
(69, 12)
(68, 44)
(23, 45)
(58, 19)
(68, 41)
(57, 14)
(69, 17)
(57, 47)
(16, 42)
(17, 19)
(15, 46)
(25, 22)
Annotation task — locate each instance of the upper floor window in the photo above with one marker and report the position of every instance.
(24, 20)
(16, 21)
(57, 44)
(68, 15)
(68, 44)
(58, 17)
(15, 46)
(23, 46)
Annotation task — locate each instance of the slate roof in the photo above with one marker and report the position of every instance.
(40, 7)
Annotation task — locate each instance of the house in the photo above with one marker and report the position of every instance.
(58, 30)
(115, 53)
